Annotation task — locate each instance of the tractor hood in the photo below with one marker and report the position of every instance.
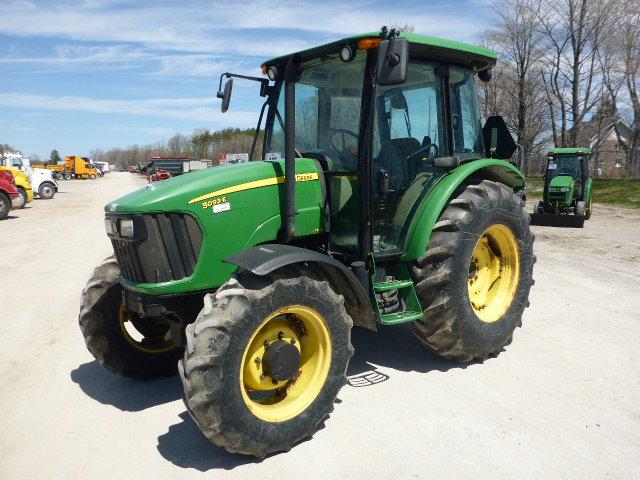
(235, 206)
(185, 192)
(561, 181)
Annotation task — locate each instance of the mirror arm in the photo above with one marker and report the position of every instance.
(264, 82)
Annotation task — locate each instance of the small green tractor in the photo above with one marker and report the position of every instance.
(379, 200)
(567, 196)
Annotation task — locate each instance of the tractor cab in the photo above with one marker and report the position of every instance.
(382, 133)
(567, 189)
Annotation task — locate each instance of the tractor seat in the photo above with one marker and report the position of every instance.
(393, 159)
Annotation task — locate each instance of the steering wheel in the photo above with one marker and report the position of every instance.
(424, 151)
(343, 132)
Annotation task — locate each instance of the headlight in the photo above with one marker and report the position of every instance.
(126, 227)
(110, 226)
(564, 189)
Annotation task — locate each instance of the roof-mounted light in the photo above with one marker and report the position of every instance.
(368, 43)
(347, 54)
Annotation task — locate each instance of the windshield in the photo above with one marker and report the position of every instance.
(564, 166)
(328, 96)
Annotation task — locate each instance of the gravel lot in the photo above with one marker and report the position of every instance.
(563, 401)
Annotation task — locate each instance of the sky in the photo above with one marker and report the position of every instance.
(77, 76)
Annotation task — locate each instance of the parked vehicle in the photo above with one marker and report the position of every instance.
(567, 197)
(104, 167)
(80, 167)
(175, 165)
(58, 171)
(41, 179)
(159, 175)
(387, 203)
(10, 197)
(22, 183)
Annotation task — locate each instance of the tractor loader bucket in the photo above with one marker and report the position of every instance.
(557, 220)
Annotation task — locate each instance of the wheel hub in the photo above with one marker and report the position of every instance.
(281, 360)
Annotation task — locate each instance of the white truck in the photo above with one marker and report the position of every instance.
(42, 181)
(104, 167)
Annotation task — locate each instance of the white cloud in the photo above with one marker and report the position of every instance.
(219, 26)
(195, 109)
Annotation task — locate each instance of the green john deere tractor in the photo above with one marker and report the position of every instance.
(379, 200)
(567, 197)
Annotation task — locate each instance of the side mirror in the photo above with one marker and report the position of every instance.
(225, 95)
(498, 142)
(392, 61)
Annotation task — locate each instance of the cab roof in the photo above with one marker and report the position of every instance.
(478, 58)
(570, 151)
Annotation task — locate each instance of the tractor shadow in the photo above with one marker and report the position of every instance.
(126, 394)
(185, 446)
(394, 348)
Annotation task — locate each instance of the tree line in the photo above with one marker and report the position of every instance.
(568, 71)
(202, 143)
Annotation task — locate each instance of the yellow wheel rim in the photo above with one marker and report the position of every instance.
(278, 401)
(494, 273)
(134, 337)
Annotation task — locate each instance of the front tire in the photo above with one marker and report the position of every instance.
(474, 280)
(25, 198)
(106, 328)
(235, 392)
(5, 206)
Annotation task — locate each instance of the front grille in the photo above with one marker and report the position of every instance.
(557, 196)
(169, 251)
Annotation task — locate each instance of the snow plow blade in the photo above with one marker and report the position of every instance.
(557, 220)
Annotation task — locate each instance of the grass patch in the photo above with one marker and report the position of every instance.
(616, 192)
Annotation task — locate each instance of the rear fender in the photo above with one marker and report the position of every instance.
(264, 259)
(438, 199)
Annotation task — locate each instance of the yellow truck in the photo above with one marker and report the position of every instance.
(23, 184)
(80, 167)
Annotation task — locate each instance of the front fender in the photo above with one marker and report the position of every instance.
(434, 204)
(264, 259)
(588, 191)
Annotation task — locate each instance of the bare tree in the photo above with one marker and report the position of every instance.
(619, 61)
(572, 31)
(516, 90)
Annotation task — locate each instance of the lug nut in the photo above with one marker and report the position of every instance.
(293, 341)
(280, 335)
(258, 360)
(263, 377)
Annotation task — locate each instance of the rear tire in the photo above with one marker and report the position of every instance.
(46, 190)
(451, 325)
(106, 337)
(5, 206)
(92, 176)
(67, 176)
(220, 352)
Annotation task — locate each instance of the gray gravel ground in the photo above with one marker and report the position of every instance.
(563, 401)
